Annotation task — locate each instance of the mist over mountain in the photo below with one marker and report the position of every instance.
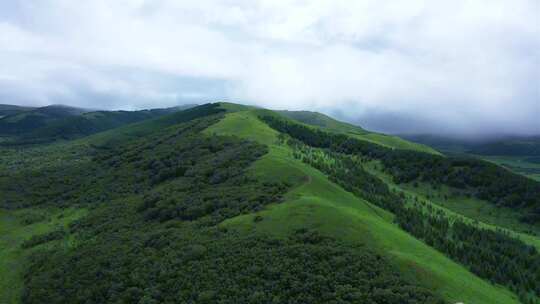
(464, 129)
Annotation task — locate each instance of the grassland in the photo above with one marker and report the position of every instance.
(14, 231)
(394, 142)
(329, 124)
(317, 203)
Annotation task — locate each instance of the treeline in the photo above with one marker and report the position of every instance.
(493, 255)
(482, 179)
(348, 172)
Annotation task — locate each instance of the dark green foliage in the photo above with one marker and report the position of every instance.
(191, 113)
(493, 255)
(126, 260)
(485, 180)
(44, 238)
(482, 179)
(7, 110)
(81, 125)
(32, 119)
(118, 168)
(87, 124)
(28, 218)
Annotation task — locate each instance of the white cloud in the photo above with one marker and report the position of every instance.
(470, 64)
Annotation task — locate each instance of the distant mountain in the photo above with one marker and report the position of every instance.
(324, 121)
(90, 123)
(333, 125)
(6, 110)
(504, 145)
(23, 122)
(56, 122)
(517, 146)
(520, 154)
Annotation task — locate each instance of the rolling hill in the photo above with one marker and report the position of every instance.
(6, 110)
(520, 154)
(65, 123)
(223, 203)
(330, 124)
(23, 121)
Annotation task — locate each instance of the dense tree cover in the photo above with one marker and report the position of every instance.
(115, 168)
(493, 255)
(44, 238)
(482, 179)
(27, 120)
(179, 263)
(159, 243)
(28, 218)
(81, 125)
(6, 110)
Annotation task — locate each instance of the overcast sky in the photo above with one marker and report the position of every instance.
(468, 67)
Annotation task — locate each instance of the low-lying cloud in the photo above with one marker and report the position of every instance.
(467, 67)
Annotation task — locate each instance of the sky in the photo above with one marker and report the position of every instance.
(469, 67)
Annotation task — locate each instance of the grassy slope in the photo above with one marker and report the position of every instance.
(13, 233)
(316, 202)
(469, 209)
(474, 208)
(324, 121)
(395, 142)
(330, 124)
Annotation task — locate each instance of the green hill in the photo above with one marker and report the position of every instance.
(330, 124)
(31, 119)
(90, 123)
(520, 154)
(73, 124)
(6, 110)
(223, 203)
